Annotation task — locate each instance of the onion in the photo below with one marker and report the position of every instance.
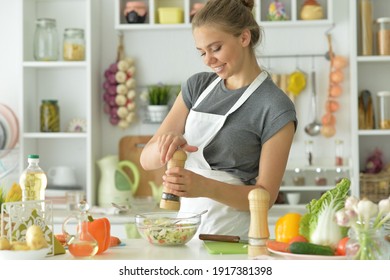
(337, 76)
(328, 131)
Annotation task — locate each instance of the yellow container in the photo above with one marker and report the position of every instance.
(170, 15)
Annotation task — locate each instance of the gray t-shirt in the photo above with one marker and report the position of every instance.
(236, 148)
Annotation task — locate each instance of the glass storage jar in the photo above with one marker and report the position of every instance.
(46, 46)
(339, 145)
(384, 109)
(50, 116)
(366, 27)
(383, 35)
(74, 44)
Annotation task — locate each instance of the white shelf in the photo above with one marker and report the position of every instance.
(374, 132)
(373, 59)
(292, 8)
(55, 135)
(74, 84)
(55, 64)
(369, 73)
(305, 188)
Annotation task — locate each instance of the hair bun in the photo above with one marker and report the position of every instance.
(248, 3)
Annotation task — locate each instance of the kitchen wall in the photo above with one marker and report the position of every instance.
(169, 56)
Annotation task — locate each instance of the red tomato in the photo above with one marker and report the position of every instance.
(341, 247)
(298, 238)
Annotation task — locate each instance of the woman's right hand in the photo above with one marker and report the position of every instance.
(168, 143)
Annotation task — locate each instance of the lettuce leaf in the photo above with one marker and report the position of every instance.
(319, 209)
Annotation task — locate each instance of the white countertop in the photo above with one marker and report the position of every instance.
(140, 249)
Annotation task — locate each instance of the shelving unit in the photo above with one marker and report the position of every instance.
(260, 11)
(371, 73)
(73, 83)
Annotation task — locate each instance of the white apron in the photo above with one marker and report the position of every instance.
(200, 129)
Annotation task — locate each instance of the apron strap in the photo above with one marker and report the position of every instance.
(252, 87)
(206, 91)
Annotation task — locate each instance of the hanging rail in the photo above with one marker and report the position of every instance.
(291, 55)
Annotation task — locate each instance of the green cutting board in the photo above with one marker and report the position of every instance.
(216, 247)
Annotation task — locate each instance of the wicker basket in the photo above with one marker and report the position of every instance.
(375, 186)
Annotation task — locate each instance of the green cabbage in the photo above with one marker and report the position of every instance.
(318, 225)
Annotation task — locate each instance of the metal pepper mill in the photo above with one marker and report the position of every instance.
(258, 228)
(170, 201)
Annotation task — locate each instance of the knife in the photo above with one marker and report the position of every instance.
(222, 238)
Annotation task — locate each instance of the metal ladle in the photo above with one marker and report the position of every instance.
(313, 128)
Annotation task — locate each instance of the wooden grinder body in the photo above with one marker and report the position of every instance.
(258, 228)
(170, 201)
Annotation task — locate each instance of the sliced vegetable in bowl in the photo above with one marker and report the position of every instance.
(167, 228)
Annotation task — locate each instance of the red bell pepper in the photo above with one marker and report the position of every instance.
(100, 229)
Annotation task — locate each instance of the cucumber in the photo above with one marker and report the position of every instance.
(307, 248)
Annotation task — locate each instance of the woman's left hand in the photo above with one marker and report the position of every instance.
(183, 182)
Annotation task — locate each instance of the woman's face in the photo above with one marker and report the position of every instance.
(221, 51)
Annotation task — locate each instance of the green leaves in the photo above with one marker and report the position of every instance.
(159, 94)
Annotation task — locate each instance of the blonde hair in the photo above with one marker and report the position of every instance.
(231, 16)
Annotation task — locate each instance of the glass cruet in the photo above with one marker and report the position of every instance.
(82, 244)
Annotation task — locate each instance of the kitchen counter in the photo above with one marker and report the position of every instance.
(140, 249)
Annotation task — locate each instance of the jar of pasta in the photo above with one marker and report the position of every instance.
(383, 35)
(50, 116)
(74, 44)
(384, 109)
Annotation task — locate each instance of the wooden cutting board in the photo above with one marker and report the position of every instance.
(130, 148)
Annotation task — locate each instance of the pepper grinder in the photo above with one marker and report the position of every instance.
(258, 228)
(170, 201)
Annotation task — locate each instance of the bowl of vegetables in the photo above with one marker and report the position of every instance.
(167, 228)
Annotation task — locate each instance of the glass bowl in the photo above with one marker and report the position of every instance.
(167, 228)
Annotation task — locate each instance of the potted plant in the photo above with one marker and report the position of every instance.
(158, 97)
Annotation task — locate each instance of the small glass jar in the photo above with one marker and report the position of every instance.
(50, 116)
(384, 109)
(309, 151)
(339, 145)
(74, 44)
(46, 46)
(320, 178)
(383, 35)
(298, 177)
(135, 12)
(367, 244)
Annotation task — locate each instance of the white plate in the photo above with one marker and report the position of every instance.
(24, 255)
(3, 136)
(13, 123)
(291, 256)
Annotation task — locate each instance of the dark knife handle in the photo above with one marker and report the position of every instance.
(219, 237)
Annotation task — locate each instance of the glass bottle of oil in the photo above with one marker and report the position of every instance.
(33, 180)
(82, 244)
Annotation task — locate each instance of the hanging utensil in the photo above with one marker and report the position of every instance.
(313, 128)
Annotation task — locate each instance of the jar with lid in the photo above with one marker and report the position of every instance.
(298, 177)
(135, 12)
(383, 35)
(339, 160)
(384, 109)
(50, 116)
(46, 47)
(33, 180)
(366, 24)
(309, 152)
(320, 178)
(74, 44)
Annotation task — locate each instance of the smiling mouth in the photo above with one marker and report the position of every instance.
(218, 69)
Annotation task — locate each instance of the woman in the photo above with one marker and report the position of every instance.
(235, 124)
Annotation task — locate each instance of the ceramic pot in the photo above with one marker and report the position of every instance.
(135, 12)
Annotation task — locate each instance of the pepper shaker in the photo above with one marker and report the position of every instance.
(168, 200)
(258, 228)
